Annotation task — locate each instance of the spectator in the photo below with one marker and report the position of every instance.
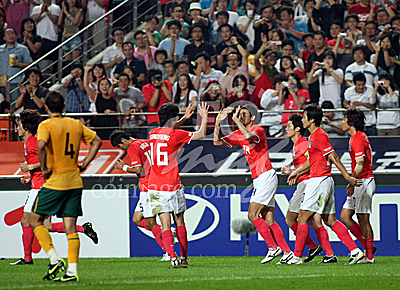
(240, 94)
(105, 104)
(198, 45)
(287, 49)
(150, 27)
(156, 93)
(307, 40)
(130, 100)
(370, 34)
(351, 22)
(228, 40)
(360, 66)
(132, 76)
(141, 38)
(343, 58)
(182, 67)
(168, 7)
(185, 93)
(77, 101)
(16, 11)
(29, 38)
(331, 122)
(336, 29)
(212, 95)
(307, 16)
(324, 15)
(245, 23)
(3, 26)
(138, 64)
(46, 17)
(362, 10)
(222, 6)
(294, 30)
(159, 58)
(269, 101)
(263, 25)
(113, 54)
(288, 67)
(32, 94)
(174, 45)
(96, 9)
(216, 37)
(172, 75)
(200, 21)
(96, 73)
(178, 11)
(6, 108)
(293, 96)
(22, 60)
(204, 72)
(382, 16)
(277, 5)
(237, 64)
(275, 42)
(316, 56)
(360, 96)
(384, 53)
(386, 94)
(72, 19)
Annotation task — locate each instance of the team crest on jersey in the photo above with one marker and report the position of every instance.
(309, 145)
(294, 152)
(350, 148)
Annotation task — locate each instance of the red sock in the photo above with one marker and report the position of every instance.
(303, 232)
(79, 229)
(323, 238)
(343, 234)
(310, 243)
(168, 241)
(57, 227)
(158, 236)
(357, 232)
(280, 239)
(27, 240)
(143, 224)
(369, 247)
(263, 229)
(181, 234)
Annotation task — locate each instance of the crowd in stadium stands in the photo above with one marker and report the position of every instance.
(277, 54)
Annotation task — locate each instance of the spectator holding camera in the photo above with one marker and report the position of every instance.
(331, 122)
(385, 52)
(204, 72)
(157, 92)
(77, 101)
(228, 41)
(245, 23)
(240, 92)
(212, 95)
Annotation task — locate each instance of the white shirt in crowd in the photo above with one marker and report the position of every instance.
(365, 97)
(268, 102)
(330, 89)
(388, 119)
(45, 28)
(367, 69)
(250, 30)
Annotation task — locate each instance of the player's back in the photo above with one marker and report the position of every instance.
(140, 155)
(319, 149)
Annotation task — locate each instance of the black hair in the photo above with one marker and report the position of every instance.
(190, 87)
(279, 79)
(77, 65)
(387, 76)
(4, 105)
(319, 32)
(167, 112)
(117, 136)
(223, 14)
(169, 60)
(133, 80)
(3, 16)
(34, 71)
(226, 25)
(374, 22)
(252, 2)
(207, 96)
(101, 66)
(305, 2)
(288, 10)
(12, 28)
(304, 37)
(78, 4)
(287, 41)
(160, 51)
(280, 33)
(229, 1)
(297, 122)
(204, 55)
(297, 78)
(151, 17)
(292, 65)
(174, 22)
(314, 112)
(55, 101)
(266, 6)
(331, 54)
(196, 25)
(235, 53)
(127, 43)
(153, 72)
(178, 5)
(359, 47)
(394, 18)
(117, 29)
(355, 118)
(179, 62)
(102, 79)
(327, 105)
(30, 120)
(25, 20)
(337, 22)
(352, 15)
(381, 9)
(235, 81)
(137, 33)
(359, 77)
(124, 75)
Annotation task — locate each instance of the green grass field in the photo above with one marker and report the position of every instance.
(209, 273)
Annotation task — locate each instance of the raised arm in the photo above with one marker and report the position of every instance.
(92, 94)
(245, 132)
(201, 134)
(218, 141)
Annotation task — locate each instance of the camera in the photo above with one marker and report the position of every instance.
(391, 28)
(215, 87)
(278, 42)
(381, 83)
(324, 121)
(343, 34)
(321, 65)
(158, 78)
(285, 84)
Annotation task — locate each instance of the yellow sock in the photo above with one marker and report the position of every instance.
(44, 238)
(73, 248)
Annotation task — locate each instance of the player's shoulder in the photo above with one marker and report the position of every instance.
(301, 140)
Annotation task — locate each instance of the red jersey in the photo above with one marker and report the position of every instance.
(362, 12)
(359, 146)
(140, 154)
(31, 157)
(318, 148)
(306, 53)
(300, 156)
(256, 151)
(148, 92)
(164, 172)
(290, 104)
(263, 83)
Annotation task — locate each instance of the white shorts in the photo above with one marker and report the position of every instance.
(295, 201)
(143, 205)
(361, 200)
(30, 200)
(319, 195)
(265, 186)
(167, 201)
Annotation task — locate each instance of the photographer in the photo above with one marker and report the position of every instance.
(331, 122)
(156, 93)
(77, 100)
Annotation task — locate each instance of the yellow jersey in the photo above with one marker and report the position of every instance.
(63, 137)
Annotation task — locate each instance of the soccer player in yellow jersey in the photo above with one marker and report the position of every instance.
(58, 145)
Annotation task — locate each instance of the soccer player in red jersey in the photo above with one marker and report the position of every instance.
(254, 143)
(319, 192)
(165, 188)
(27, 129)
(359, 199)
(295, 131)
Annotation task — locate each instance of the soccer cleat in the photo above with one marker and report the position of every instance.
(272, 254)
(285, 258)
(184, 261)
(165, 258)
(374, 250)
(67, 278)
(295, 261)
(359, 255)
(55, 269)
(88, 230)
(312, 253)
(328, 259)
(366, 261)
(176, 263)
(22, 261)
